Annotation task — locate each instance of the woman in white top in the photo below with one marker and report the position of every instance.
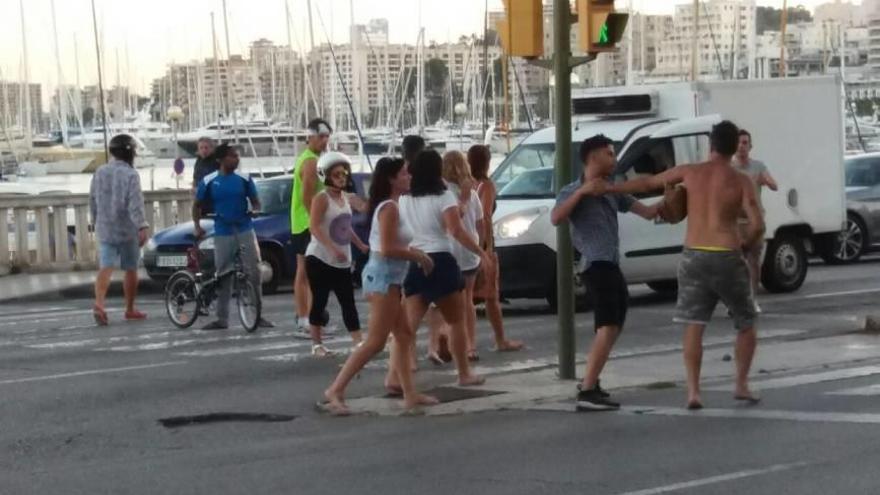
(383, 276)
(458, 178)
(328, 255)
(432, 211)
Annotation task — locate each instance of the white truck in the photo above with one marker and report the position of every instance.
(797, 130)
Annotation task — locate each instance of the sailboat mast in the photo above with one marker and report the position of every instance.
(229, 89)
(77, 99)
(217, 89)
(308, 75)
(29, 129)
(290, 66)
(101, 84)
(62, 107)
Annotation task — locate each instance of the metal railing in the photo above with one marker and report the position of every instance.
(52, 232)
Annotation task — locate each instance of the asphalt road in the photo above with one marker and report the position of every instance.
(82, 406)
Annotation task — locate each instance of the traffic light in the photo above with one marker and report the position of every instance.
(522, 30)
(600, 28)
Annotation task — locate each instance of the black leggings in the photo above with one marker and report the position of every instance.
(324, 279)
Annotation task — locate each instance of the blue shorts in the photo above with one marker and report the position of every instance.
(444, 280)
(381, 273)
(124, 255)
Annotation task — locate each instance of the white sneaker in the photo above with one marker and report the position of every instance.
(320, 351)
(302, 333)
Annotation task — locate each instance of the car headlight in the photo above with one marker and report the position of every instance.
(515, 226)
(150, 245)
(207, 244)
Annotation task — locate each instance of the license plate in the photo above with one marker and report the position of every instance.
(171, 261)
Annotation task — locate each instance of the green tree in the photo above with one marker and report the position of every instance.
(770, 19)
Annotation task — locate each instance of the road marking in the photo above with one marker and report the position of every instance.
(90, 372)
(712, 480)
(863, 391)
(807, 379)
(750, 413)
(842, 293)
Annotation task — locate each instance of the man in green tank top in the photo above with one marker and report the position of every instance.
(305, 187)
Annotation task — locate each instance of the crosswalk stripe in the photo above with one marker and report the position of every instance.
(806, 379)
(870, 390)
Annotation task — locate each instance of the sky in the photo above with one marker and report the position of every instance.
(139, 37)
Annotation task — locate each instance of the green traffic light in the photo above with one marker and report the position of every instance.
(603, 35)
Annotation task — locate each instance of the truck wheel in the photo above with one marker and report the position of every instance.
(785, 264)
(664, 286)
(847, 246)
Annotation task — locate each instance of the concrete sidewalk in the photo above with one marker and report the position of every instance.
(31, 286)
(540, 387)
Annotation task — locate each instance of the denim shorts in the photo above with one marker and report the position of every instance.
(443, 281)
(124, 255)
(381, 273)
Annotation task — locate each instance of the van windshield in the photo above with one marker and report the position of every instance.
(528, 171)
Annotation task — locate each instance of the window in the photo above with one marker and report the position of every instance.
(862, 172)
(528, 171)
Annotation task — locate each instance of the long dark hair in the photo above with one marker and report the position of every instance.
(478, 157)
(427, 175)
(380, 184)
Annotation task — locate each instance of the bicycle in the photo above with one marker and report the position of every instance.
(191, 287)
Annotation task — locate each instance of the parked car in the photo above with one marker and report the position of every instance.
(862, 230)
(165, 252)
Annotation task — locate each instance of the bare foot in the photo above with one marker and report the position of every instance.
(471, 381)
(392, 390)
(334, 405)
(420, 400)
(509, 346)
(694, 403)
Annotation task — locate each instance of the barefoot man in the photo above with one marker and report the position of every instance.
(712, 266)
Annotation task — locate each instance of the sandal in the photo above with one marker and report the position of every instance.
(393, 391)
(510, 346)
(320, 351)
(135, 316)
(100, 316)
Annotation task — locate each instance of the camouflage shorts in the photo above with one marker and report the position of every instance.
(704, 278)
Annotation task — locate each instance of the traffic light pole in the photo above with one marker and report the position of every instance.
(564, 249)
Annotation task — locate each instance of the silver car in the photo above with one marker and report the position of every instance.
(863, 211)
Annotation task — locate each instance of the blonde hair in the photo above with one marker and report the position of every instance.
(455, 167)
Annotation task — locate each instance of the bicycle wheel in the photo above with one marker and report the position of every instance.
(249, 305)
(182, 299)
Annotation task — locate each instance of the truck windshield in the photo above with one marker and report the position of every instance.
(528, 171)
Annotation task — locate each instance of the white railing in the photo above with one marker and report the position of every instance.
(53, 232)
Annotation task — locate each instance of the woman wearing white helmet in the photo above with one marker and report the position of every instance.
(328, 255)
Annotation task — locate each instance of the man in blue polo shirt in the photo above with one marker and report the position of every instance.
(228, 192)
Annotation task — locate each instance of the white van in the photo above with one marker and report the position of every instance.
(797, 130)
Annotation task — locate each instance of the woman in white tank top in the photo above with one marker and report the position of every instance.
(328, 255)
(390, 257)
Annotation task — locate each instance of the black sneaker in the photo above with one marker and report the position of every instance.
(598, 388)
(592, 400)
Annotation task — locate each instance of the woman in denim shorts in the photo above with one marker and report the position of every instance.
(433, 213)
(383, 277)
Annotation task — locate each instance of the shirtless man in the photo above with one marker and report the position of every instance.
(712, 266)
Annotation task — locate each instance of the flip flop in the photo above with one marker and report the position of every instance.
(749, 400)
(100, 316)
(694, 406)
(512, 346)
(328, 407)
(393, 391)
(135, 316)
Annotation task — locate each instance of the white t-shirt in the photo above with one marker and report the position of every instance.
(473, 212)
(404, 233)
(424, 215)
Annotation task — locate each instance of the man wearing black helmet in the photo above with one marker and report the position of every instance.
(117, 207)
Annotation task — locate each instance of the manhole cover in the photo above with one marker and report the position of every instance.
(452, 394)
(224, 417)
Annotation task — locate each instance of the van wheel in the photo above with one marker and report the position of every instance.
(664, 286)
(785, 264)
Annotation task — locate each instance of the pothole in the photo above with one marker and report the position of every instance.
(224, 417)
